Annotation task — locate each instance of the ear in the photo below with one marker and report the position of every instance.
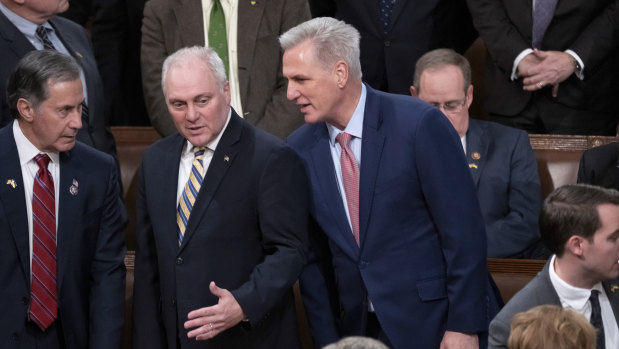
(469, 96)
(25, 109)
(574, 245)
(414, 91)
(341, 73)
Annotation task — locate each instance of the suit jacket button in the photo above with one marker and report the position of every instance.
(387, 43)
(179, 260)
(173, 302)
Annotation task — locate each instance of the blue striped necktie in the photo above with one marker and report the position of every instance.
(189, 195)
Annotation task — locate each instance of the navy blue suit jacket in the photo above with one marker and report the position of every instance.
(422, 259)
(504, 170)
(247, 232)
(90, 252)
(14, 45)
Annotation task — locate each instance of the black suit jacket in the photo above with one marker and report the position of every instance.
(14, 45)
(247, 232)
(584, 26)
(90, 254)
(600, 166)
(416, 27)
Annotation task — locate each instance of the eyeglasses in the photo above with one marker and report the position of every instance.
(451, 106)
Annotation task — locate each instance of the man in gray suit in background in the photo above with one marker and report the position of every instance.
(579, 224)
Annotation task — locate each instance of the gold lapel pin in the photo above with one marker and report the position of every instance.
(252, 2)
(79, 54)
(476, 156)
(12, 183)
(473, 166)
(614, 288)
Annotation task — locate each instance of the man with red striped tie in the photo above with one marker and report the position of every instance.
(62, 243)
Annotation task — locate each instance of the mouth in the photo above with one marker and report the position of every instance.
(303, 107)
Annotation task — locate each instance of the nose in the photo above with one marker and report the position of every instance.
(192, 112)
(292, 92)
(76, 118)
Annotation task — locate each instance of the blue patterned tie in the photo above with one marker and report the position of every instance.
(189, 195)
(43, 35)
(386, 7)
(542, 15)
(596, 319)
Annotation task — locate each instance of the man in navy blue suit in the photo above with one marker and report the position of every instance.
(400, 247)
(500, 158)
(62, 253)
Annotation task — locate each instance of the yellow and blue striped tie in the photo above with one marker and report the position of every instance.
(192, 188)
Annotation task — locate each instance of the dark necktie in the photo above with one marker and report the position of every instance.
(43, 35)
(43, 300)
(542, 15)
(217, 35)
(386, 7)
(190, 193)
(596, 319)
(350, 178)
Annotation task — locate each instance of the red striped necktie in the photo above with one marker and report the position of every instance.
(43, 300)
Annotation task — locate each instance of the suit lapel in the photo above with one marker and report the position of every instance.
(324, 170)
(223, 158)
(371, 151)
(166, 197)
(476, 149)
(17, 41)
(69, 206)
(612, 291)
(12, 197)
(189, 12)
(249, 17)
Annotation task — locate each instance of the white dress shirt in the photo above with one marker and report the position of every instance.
(577, 299)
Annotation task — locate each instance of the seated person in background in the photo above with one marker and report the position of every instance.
(550, 326)
(500, 158)
(580, 225)
(357, 342)
(600, 165)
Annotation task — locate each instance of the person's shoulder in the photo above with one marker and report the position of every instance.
(303, 136)
(610, 149)
(62, 23)
(94, 157)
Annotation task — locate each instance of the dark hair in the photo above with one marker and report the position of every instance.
(572, 210)
(32, 74)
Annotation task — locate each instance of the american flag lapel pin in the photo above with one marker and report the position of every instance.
(74, 188)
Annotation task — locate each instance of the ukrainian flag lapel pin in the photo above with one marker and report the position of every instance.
(12, 183)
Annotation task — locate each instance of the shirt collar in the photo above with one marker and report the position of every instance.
(212, 145)
(26, 150)
(355, 125)
(574, 297)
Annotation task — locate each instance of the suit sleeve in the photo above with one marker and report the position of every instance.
(499, 332)
(516, 231)
(451, 200)
(282, 116)
(148, 330)
(283, 214)
(502, 38)
(107, 284)
(153, 53)
(584, 176)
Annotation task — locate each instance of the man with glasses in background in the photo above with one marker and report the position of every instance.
(500, 158)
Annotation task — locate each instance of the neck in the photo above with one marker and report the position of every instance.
(571, 274)
(351, 94)
(25, 13)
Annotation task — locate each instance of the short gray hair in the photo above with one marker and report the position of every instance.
(333, 40)
(440, 58)
(32, 74)
(357, 342)
(189, 55)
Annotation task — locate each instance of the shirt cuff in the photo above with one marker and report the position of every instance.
(517, 61)
(579, 73)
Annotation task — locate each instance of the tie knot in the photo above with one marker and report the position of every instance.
(42, 160)
(198, 151)
(594, 295)
(42, 32)
(343, 139)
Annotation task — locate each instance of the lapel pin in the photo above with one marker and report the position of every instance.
(74, 189)
(476, 156)
(252, 2)
(12, 183)
(614, 288)
(473, 166)
(79, 54)
(226, 158)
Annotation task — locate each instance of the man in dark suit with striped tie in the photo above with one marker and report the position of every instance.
(222, 222)
(62, 243)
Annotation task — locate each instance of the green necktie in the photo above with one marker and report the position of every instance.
(217, 38)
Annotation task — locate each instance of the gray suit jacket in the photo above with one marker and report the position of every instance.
(537, 292)
(169, 25)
